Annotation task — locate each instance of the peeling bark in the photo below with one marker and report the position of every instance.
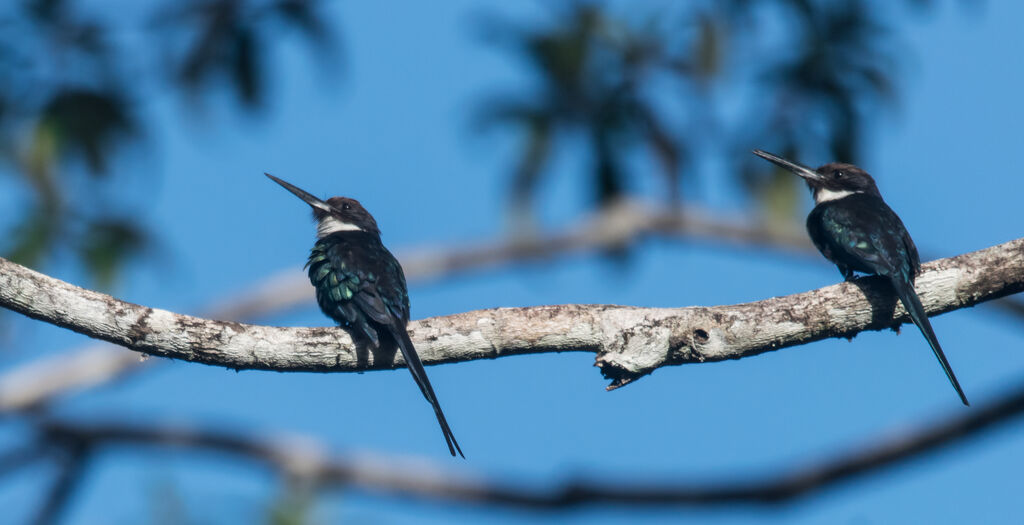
(630, 342)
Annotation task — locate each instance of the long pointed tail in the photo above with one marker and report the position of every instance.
(412, 360)
(905, 290)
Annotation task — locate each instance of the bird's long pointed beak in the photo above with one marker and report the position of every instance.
(798, 169)
(305, 196)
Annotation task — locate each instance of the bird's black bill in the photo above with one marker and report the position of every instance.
(798, 169)
(305, 196)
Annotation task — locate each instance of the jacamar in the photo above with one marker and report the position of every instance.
(361, 286)
(855, 229)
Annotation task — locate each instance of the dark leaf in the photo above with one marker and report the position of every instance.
(246, 67)
(66, 29)
(34, 237)
(88, 123)
(592, 76)
(707, 56)
(106, 245)
(610, 178)
(508, 111)
(226, 41)
(846, 131)
(876, 83)
(535, 154)
(668, 150)
(46, 11)
(218, 32)
(303, 15)
(90, 38)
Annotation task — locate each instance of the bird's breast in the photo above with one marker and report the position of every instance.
(333, 275)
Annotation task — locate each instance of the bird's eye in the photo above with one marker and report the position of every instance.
(346, 206)
(839, 175)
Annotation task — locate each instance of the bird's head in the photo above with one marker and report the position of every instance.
(829, 182)
(336, 214)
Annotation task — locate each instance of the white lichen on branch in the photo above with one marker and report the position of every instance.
(629, 341)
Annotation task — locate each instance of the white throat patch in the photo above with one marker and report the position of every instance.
(331, 224)
(825, 195)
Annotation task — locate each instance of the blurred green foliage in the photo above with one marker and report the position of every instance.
(655, 82)
(662, 83)
(591, 73)
(67, 92)
(226, 41)
(295, 506)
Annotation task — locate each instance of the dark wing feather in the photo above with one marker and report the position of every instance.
(915, 259)
(863, 233)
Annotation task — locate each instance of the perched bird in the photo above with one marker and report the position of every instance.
(361, 286)
(855, 229)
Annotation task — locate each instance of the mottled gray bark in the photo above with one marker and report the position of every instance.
(629, 341)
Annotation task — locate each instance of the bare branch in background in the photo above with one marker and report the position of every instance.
(30, 385)
(304, 459)
(630, 341)
(72, 466)
(16, 458)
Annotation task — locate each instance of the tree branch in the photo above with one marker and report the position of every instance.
(74, 457)
(619, 225)
(630, 341)
(615, 226)
(304, 459)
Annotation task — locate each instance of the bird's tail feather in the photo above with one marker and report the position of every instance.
(412, 360)
(905, 290)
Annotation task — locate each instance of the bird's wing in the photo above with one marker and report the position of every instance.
(867, 230)
(915, 258)
(864, 229)
(383, 297)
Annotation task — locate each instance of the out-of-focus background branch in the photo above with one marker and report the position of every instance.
(308, 463)
(615, 133)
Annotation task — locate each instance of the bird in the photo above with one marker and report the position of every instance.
(853, 227)
(361, 285)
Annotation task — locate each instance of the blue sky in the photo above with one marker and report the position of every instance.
(394, 132)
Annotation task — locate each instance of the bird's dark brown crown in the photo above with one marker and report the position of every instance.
(840, 176)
